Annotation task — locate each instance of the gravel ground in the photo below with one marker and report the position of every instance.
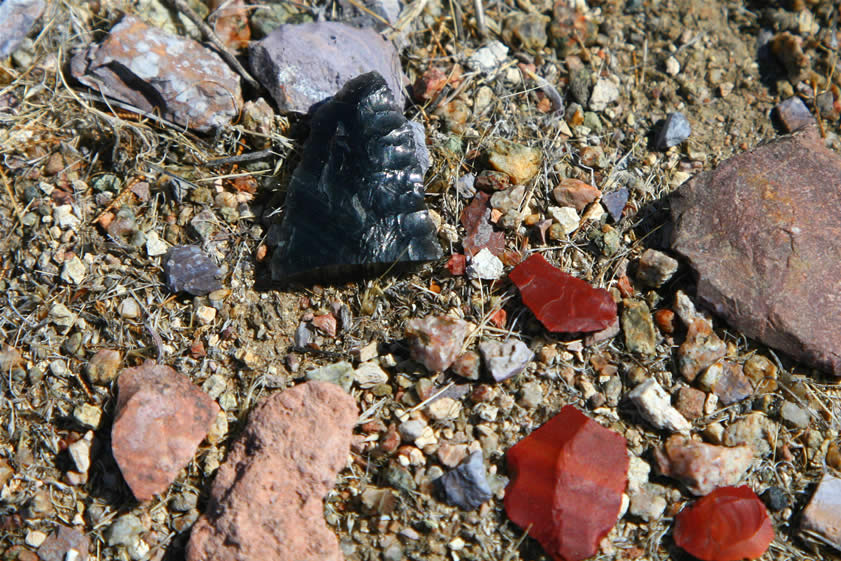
(61, 147)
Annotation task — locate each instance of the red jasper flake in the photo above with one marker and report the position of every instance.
(480, 233)
(562, 303)
(729, 524)
(567, 480)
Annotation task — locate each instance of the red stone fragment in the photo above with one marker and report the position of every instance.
(480, 233)
(729, 524)
(456, 264)
(562, 303)
(567, 480)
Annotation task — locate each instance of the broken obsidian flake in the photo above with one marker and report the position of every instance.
(355, 202)
(188, 269)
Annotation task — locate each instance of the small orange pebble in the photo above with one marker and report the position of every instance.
(496, 214)
(665, 320)
(623, 283)
(105, 219)
(261, 252)
(498, 318)
(434, 286)
(729, 524)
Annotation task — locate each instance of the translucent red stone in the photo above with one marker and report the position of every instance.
(562, 303)
(567, 480)
(729, 524)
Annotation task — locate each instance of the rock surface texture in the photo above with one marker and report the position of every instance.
(729, 524)
(304, 64)
(355, 203)
(16, 19)
(822, 515)
(763, 234)
(561, 302)
(161, 74)
(161, 419)
(567, 480)
(285, 461)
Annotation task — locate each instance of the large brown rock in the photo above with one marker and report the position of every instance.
(764, 235)
(161, 419)
(166, 75)
(267, 499)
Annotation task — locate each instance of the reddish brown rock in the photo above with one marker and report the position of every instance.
(230, 22)
(729, 524)
(690, 402)
(267, 499)
(822, 515)
(702, 467)
(476, 219)
(567, 480)
(763, 234)
(161, 419)
(701, 348)
(561, 302)
(575, 193)
(435, 341)
(64, 544)
(162, 74)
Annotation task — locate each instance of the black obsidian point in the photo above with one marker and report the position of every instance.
(355, 202)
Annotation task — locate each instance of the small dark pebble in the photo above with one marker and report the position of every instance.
(466, 486)
(615, 202)
(188, 269)
(775, 499)
(675, 130)
(794, 114)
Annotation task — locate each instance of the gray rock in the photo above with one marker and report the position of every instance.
(485, 265)
(489, 57)
(648, 502)
(388, 10)
(124, 530)
(16, 19)
(604, 93)
(794, 114)
(161, 74)
(763, 234)
(654, 405)
(421, 149)
(355, 202)
(794, 416)
(340, 373)
(302, 65)
(638, 327)
(466, 486)
(505, 359)
(775, 499)
(822, 515)
(655, 268)
(675, 130)
(187, 268)
(615, 202)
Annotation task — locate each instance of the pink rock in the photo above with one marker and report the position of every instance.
(161, 419)
(702, 467)
(575, 193)
(561, 302)
(435, 341)
(267, 500)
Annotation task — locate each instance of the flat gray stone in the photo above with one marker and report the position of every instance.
(763, 233)
(304, 64)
